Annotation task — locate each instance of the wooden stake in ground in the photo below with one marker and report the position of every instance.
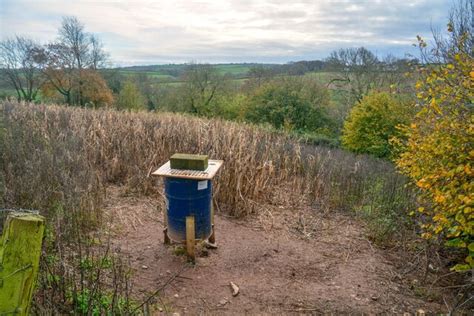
(212, 238)
(20, 251)
(190, 238)
(166, 238)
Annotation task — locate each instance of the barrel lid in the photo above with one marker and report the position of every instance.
(212, 168)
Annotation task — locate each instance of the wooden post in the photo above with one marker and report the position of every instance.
(166, 238)
(190, 237)
(212, 238)
(20, 251)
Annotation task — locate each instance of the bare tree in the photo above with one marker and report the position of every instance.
(98, 57)
(22, 60)
(73, 36)
(202, 85)
(60, 70)
(75, 54)
(358, 69)
(459, 37)
(393, 73)
(461, 24)
(258, 75)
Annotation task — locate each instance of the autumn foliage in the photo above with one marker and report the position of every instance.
(439, 152)
(86, 85)
(373, 121)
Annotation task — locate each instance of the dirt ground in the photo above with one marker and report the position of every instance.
(287, 261)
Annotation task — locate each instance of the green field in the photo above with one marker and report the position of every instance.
(163, 71)
(233, 69)
(7, 92)
(160, 74)
(170, 75)
(152, 74)
(322, 76)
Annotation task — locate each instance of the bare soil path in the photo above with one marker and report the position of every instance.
(290, 262)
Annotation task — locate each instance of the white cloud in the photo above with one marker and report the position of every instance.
(217, 31)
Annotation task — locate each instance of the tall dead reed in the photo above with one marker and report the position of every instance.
(60, 159)
(107, 146)
(44, 166)
(124, 148)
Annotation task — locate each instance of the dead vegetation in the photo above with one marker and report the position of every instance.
(104, 146)
(61, 159)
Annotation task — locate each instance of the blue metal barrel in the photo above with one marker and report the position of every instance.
(184, 198)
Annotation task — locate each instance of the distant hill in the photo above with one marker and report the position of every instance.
(236, 70)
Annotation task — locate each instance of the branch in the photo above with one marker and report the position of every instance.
(161, 288)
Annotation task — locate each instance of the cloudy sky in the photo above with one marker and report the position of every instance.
(175, 31)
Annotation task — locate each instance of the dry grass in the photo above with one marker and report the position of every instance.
(106, 146)
(60, 159)
(112, 147)
(44, 167)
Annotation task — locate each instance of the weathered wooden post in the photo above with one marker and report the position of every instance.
(20, 251)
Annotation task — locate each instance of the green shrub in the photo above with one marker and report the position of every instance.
(373, 122)
(292, 104)
(230, 106)
(130, 98)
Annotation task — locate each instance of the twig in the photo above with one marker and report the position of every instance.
(302, 310)
(19, 210)
(165, 308)
(444, 275)
(161, 288)
(205, 303)
(370, 244)
(470, 298)
(447, 305)
(447, 287)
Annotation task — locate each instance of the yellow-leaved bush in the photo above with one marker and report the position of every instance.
(373, 122)
(438, 152)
